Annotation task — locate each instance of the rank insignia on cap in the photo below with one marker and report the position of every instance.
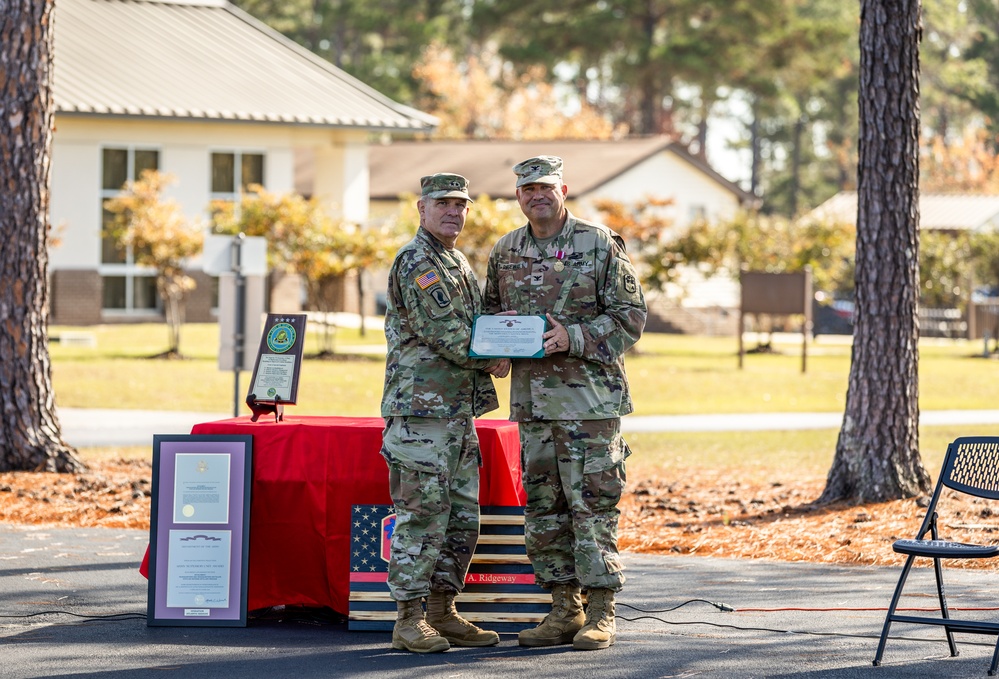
(444, 185)
(539, 170)
(428, 279)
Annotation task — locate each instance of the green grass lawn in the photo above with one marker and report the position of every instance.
(672, 374)
(118, 374)
(757, 456)
(761, 454)
(669, 374)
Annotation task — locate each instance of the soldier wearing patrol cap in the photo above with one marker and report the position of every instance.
(569, 403)
(433, 390)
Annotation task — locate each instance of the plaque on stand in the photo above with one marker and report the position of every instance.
(279, 362)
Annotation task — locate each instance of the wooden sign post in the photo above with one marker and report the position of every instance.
(777, 294)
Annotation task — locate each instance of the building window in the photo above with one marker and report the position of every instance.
(233, 172)
(119, 290)
(127, 288)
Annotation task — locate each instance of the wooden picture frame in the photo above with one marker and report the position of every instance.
(199, 530)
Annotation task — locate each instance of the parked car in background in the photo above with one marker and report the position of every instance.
(832, 316)
(986, 293)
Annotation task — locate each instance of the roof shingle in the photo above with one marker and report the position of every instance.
(937, 211)
(396, 167)
(204, 59)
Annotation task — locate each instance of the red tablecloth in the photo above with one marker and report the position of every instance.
(307, 473)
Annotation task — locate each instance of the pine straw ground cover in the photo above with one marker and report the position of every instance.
(690, 512)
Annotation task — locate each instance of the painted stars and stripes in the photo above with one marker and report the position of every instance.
(499, 589)
(370, 536)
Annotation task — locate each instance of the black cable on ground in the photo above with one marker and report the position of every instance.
(297, 614)
(110, 617)
(728, 608)
(115, 617)
(720, 607)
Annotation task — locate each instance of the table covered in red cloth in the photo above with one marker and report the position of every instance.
(307, 473)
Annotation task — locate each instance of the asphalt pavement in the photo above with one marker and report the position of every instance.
(72, 603)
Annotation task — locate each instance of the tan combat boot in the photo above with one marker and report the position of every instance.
(443, 617)
(598, 632)
(412, 633)
(561, 625)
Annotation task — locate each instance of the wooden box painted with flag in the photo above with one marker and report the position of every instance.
(499, 594)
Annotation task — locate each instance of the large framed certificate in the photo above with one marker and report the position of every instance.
(508, 337)
(199, 530)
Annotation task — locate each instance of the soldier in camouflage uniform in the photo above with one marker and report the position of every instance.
(569, 404)
(433, 390)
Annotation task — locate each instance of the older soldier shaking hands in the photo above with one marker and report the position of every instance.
(433, 390)
(569, 403)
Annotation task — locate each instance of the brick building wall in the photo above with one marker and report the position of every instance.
(200, 300)
(75, 297)
(285, 293)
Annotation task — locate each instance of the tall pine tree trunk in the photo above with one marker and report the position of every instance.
(794, 185)
(877, 454)
(30, 435)
(755, 150)
(843, 166)
(650, 99)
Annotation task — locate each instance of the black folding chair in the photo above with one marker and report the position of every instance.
(972, 467)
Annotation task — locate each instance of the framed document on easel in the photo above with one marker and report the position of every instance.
(278, 364)
(199, 530)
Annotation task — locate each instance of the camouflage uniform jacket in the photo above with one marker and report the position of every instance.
(596, 295)
(432, 299)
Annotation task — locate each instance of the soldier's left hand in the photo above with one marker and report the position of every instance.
(556, 339)
(501, 369)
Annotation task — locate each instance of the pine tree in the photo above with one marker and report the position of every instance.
(877, 453)
(30, 434)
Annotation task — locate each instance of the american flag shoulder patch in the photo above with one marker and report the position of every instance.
(427, 279)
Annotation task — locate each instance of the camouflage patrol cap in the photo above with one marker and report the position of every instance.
(444, 185)
(539, 170)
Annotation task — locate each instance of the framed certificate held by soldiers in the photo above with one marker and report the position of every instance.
(508, 337)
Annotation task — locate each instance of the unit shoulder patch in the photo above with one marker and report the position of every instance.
(630, 284)
(440, 296)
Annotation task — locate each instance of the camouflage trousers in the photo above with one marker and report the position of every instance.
(434, 482)
(574, 476)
